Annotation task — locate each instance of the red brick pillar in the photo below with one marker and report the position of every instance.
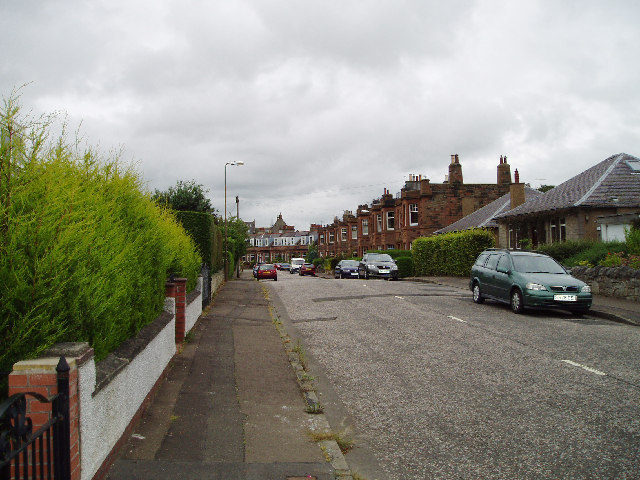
(181, 306)
(40, 376)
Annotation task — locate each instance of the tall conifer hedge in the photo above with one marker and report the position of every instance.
(84, 252)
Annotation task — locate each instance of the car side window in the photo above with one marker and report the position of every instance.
(503, 263)
(481, 259)
(492, 262)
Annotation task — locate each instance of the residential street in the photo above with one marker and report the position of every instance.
(436, 386)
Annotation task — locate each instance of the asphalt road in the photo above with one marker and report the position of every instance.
(438, 387)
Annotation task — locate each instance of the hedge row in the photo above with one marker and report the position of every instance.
(84, 251)
(450, 254)
(207, 236)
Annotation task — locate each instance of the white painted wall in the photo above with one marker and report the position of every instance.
(105, 415)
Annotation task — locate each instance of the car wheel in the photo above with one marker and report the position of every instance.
(366, 274)
(477, 294)
(275, 279)
(517, 305)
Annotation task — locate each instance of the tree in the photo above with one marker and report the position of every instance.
(312, 254)
(185, 196)
(546, 188)
(237, 237)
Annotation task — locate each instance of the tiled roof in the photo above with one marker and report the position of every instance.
(483, 217)
(610, 183)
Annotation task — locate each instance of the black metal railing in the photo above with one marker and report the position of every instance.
(44, 454)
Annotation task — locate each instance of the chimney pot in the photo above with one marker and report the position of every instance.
(516, 176)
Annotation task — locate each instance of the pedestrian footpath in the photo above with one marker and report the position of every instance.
(231, 407)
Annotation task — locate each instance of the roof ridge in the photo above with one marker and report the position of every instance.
(600, 180)
(508, 201)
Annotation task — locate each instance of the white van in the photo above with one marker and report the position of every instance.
(296, 263)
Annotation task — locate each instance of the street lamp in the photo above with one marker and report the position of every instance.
(226, 255)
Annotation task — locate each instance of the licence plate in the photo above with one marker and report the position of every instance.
(566, 298)
(384, 271)
(354, 274)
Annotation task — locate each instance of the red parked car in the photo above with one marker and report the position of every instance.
(267, 270)
(308, 269)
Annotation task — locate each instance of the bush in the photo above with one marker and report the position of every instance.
(632, 239)
(451, 253)
(562, 251)
(594, 254)
(200, 227)
(84, 252)
(405, 266)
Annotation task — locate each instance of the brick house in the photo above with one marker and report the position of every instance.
(485, 216)
(418, 210)
(279, 241)
(606, 194)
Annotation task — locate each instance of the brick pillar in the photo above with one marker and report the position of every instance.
(40, 376)
(181, 305)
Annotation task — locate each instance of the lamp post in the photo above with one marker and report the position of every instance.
(226, 255)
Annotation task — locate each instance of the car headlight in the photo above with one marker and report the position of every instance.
(535, 286)
(586, 289)
(372, 266)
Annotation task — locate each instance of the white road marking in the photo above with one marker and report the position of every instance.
(457, 319)
(401, 298)
(584, 367)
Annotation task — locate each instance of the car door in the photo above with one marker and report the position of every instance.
(489, 275)
(502, 283)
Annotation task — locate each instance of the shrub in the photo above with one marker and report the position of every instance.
(451, 253)
(84, 251)
(200, 227)
(562, 251)
(405, 266)
(632, 239)
(593, 255)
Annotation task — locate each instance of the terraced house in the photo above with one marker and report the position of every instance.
(418, 210)
(281, 241)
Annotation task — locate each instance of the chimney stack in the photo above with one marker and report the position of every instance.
(504, 171)
(455, 170)
(516, 191)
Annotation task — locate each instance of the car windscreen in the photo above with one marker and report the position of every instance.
(536, 264)
(379, 257)
(267, 266)
(349, 263)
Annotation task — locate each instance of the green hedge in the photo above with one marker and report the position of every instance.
(451, 254)
(84, 251)
(405, 266)
(200, 227)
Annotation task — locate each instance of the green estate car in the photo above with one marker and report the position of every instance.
(527, 280)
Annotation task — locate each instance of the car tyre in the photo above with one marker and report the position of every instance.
(477, 294)
(517, 304)
(275, 279)
(366, 274)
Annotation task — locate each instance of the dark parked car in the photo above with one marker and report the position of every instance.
(307, 269)
(267, 270)
(346, 269)
(284, 266)
(527, 280)
(377, 265)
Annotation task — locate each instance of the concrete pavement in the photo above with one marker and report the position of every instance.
(231, 407)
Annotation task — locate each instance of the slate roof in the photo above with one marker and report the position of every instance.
(483, 217)
(610, 183)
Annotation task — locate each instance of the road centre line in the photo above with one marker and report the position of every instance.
(456, 319)
(401, 298)
(584, 367)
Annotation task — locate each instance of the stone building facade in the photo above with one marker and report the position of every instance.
(419, 210)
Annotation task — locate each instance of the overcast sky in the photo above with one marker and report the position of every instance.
(329, 102)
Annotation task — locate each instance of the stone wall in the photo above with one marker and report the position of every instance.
(620, 282)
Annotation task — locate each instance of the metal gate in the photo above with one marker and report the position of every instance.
(44, 454)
